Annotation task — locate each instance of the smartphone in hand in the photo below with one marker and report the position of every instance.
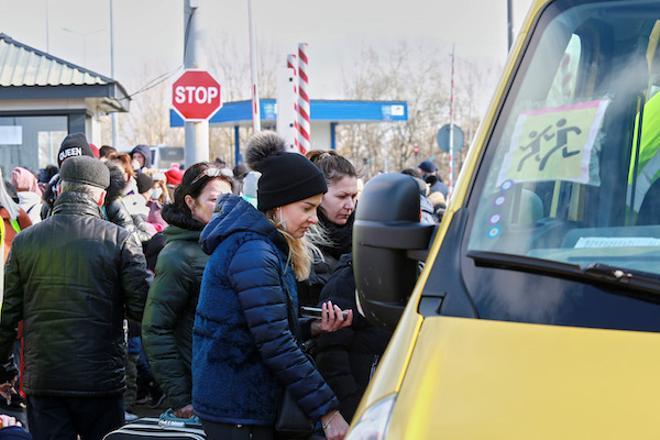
(310, 312)
(315, 312)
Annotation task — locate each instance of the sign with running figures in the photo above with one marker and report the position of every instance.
(555, 143)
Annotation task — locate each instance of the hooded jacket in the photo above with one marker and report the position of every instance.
(72, 278)
(145, 151)
(170, 312)
(244, 352)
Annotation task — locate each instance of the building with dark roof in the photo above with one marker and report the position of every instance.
(43, 98)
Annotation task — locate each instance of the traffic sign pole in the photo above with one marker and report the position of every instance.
(197, 132)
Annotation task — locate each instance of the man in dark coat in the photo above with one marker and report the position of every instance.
(72, 280)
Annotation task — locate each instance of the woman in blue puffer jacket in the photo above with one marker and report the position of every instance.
(244, 351)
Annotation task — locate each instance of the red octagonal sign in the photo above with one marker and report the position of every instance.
(196, 95)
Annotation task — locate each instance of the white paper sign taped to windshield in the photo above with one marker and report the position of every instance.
(555, 143)
(616, 242)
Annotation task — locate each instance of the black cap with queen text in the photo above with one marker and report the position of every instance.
(73, 145)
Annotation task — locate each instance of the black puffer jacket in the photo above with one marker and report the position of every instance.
(72, 278)
(117, 212)
(347, 357)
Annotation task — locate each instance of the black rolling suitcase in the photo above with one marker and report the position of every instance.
(166, 427)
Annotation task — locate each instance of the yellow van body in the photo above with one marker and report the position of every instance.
(461, 378)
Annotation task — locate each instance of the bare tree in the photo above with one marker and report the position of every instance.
(232, 67)
(418, 74)
(148, 121)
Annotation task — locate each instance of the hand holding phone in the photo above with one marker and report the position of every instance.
(332, 319)
(316, 312)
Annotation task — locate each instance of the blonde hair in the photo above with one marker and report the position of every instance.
(302, 252)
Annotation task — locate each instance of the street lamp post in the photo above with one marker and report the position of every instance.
(47, 29)
(113, 115)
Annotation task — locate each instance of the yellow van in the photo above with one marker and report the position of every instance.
(537, 312)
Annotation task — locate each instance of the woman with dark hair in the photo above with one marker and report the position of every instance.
(170, 309)
(247, 335)
(123, 161)
(346, 358)
(336, 215)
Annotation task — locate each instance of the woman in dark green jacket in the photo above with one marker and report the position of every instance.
(170, 310)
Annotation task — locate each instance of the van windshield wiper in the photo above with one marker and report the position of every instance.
(641, 284)
(646, 281)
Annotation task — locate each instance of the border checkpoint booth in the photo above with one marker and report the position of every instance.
(326, 115)
(43, 98)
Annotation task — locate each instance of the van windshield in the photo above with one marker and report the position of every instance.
(572, 171)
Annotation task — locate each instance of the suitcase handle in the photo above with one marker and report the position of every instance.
(169, 419)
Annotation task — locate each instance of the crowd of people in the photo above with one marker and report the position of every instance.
(125, 283)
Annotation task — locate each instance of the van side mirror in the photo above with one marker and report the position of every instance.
(386, 233)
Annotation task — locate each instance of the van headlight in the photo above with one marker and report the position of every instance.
(374, 422)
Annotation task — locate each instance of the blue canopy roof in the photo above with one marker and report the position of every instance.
(341, 111)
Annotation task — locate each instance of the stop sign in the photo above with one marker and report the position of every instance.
(196, 95)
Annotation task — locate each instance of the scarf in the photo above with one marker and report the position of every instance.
(341, 236)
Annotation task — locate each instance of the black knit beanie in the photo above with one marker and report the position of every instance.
(285, 177)
(74, 144)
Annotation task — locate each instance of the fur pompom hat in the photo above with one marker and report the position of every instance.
(285, 177)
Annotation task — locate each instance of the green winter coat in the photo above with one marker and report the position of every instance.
(170, 313)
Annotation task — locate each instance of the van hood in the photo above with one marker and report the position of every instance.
(474, 379)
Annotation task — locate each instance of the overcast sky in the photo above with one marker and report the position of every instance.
(151, 31)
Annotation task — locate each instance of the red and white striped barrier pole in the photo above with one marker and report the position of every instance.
(304, 120)
(292, 63)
